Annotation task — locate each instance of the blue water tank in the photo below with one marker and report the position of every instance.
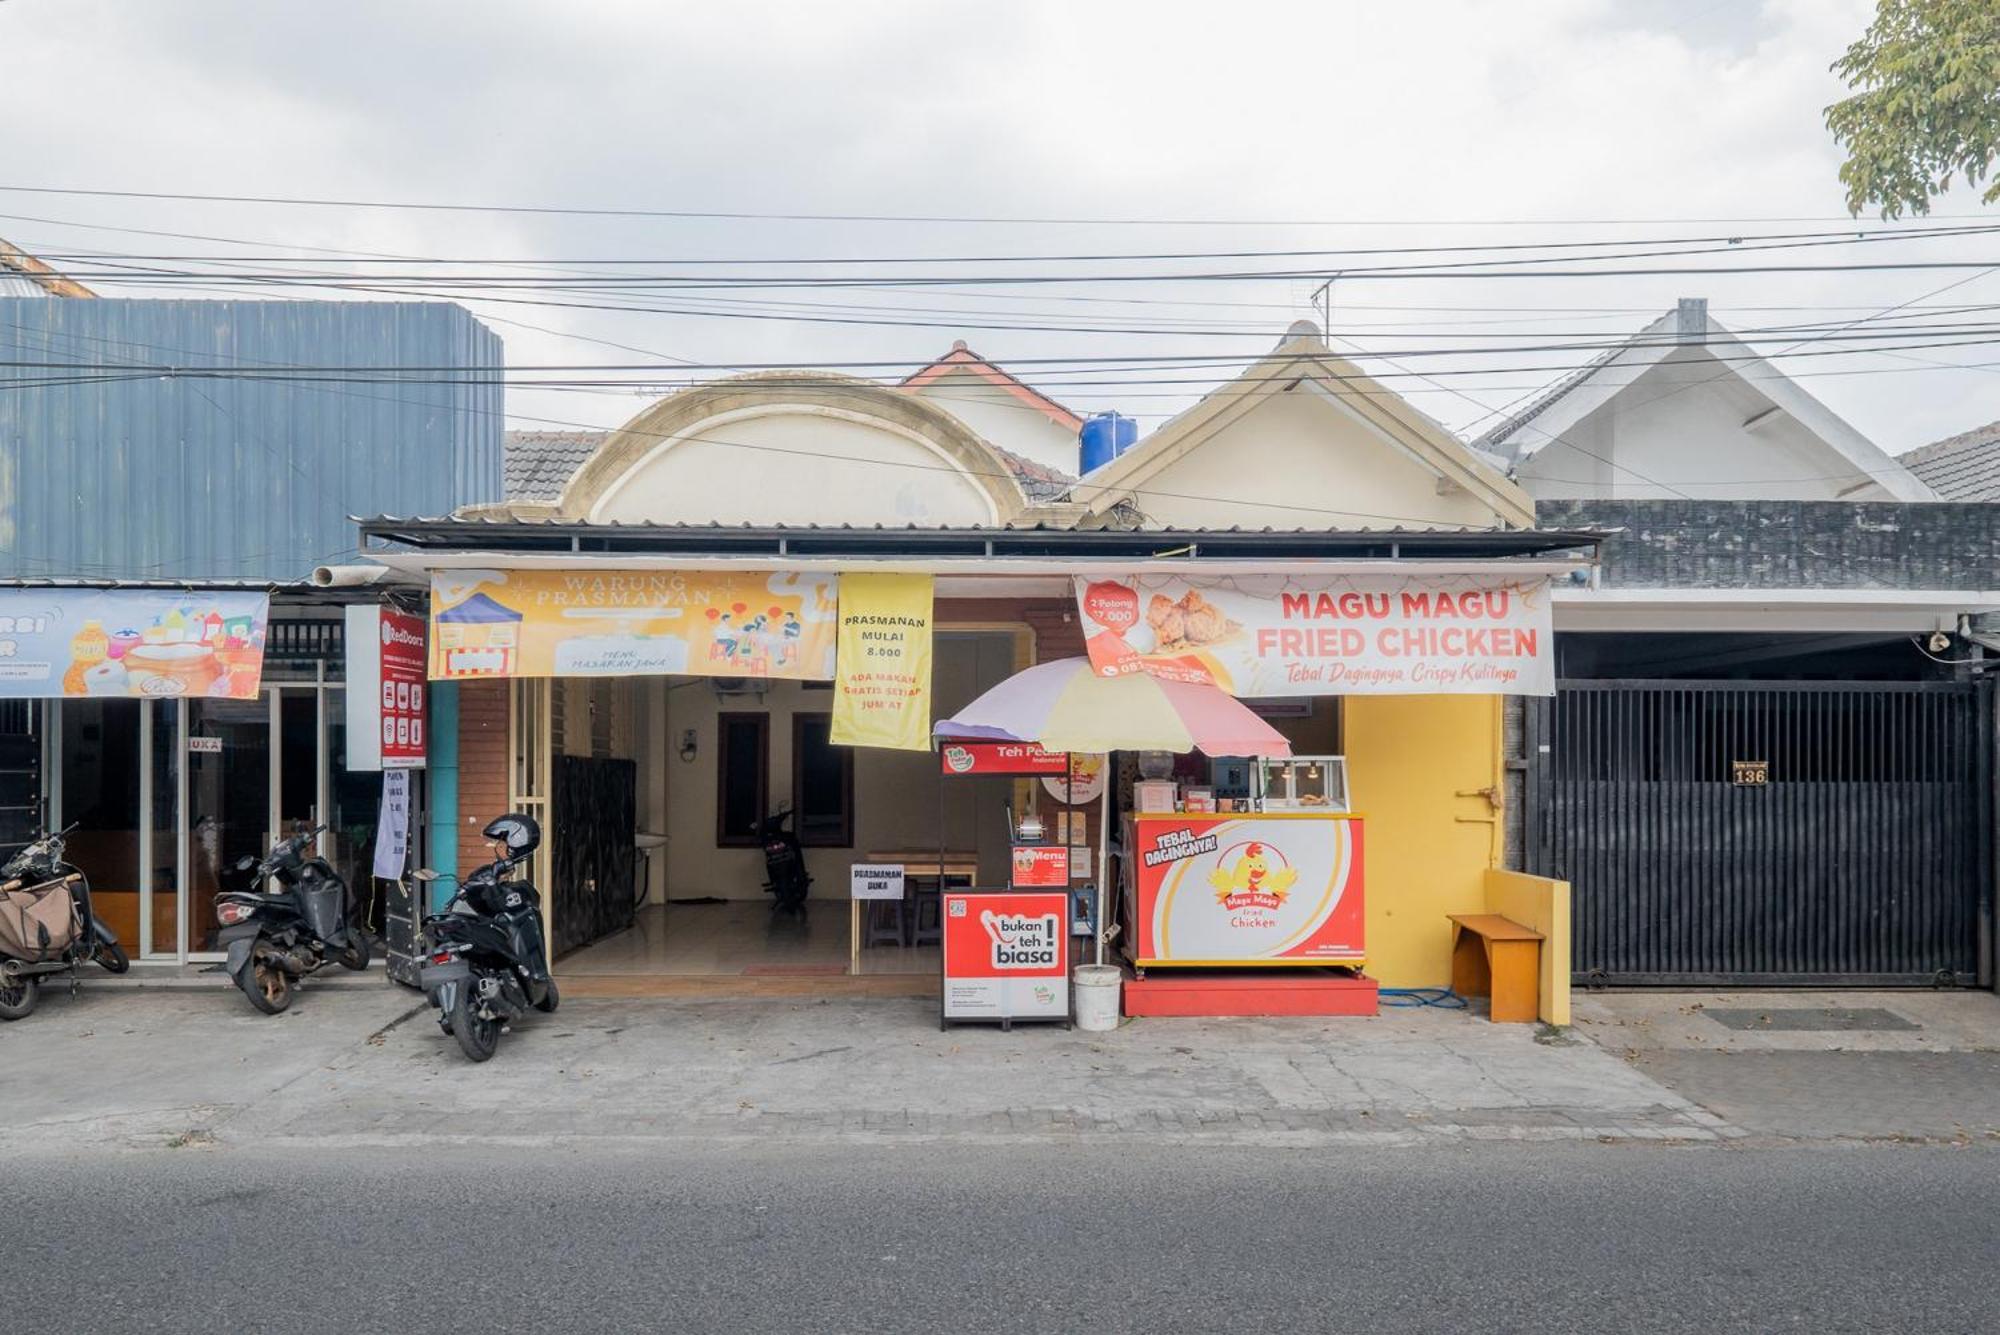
(1105, 436)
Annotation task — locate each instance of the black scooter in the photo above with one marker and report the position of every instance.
(785, 875)
(36, 865)
(274, 940)
(485, 964)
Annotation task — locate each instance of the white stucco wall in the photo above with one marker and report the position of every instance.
(1001, 418)
(895, 792)
(1677, 430)
(1299, 460)
(795, 466)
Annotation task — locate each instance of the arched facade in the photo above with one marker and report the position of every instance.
(781, 448)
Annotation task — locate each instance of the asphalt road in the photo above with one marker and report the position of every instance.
(944, 1237)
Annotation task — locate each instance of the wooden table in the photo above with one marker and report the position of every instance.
(1496, 956)
(918, 864)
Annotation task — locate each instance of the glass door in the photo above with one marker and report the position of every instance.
(230, 811)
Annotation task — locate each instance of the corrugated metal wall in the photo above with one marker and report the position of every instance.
(111, 466)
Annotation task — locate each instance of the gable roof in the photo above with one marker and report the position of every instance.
(962, 360)
(20, 270)
(537, 464)
(1965, 467)
(1560, 407)
(1304, 356)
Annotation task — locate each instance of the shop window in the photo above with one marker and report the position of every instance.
(743, 763)
(100, 796)
(822, 784)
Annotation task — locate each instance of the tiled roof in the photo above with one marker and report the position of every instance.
(539, 464)
(1965, 467)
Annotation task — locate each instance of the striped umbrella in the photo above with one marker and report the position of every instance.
(1065, 706)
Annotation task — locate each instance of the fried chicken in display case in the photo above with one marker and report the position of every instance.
(1303, 783)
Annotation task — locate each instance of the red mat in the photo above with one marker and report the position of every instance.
(1251, 992)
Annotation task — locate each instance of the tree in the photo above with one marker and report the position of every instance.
(1927, 107)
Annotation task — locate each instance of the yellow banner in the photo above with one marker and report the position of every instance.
(622, 623)
(882, 692)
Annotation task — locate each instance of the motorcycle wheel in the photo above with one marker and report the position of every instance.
(478, 1037)
(268, 987)
(355, 955)
(547, 1005)
(18, 996)
(113, 957)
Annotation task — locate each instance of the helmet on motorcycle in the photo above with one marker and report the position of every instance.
(518, 831)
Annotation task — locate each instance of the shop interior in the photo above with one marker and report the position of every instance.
(712, 759)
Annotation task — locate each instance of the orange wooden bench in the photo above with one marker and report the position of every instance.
(1497, 957)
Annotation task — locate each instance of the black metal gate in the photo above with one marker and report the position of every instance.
(20, 773)
(596, 815)
(1778, 833)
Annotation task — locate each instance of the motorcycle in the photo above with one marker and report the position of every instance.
(273, 940)
(485, 963)
(785, 875)
(42, 864)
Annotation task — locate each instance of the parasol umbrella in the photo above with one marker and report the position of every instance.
(1065, 706)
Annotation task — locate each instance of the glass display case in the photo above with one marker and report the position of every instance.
(1302, 783)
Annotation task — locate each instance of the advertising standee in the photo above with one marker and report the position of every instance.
(387, 657)
(1006, 956)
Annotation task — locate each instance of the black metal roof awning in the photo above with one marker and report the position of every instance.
(799, 542)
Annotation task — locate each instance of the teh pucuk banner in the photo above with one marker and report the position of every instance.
(131, 642)
(882, 663)
(626, 623)
(1275, 635)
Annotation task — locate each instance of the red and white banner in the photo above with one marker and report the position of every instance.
(1262, 889)
(1006, 955)
(1001, 758)
(1274, 635)
(387, 657)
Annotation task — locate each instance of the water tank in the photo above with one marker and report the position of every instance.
(1105, 436)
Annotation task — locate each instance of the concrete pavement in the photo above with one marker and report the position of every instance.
(368, 1066)
(1908, 1065)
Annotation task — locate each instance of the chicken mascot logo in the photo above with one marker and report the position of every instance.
(1252, 880)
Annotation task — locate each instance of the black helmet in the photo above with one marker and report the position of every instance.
(518, 831)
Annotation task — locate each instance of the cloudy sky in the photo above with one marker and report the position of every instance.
(1020, 129)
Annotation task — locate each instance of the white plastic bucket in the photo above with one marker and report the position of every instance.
(1097, 990)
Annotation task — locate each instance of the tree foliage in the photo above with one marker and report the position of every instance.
(1927, 105)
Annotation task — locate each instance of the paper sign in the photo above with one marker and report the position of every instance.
(205, 746)
(875, 880)
(392, 827)
(1039, 865)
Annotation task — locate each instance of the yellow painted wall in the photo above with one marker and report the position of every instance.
(1426, 849)
(1543, 904)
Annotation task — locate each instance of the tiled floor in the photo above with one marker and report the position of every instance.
(740, 938)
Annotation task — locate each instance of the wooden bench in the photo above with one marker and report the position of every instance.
(1497, 957)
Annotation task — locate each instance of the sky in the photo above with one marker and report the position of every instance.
(1118, 129)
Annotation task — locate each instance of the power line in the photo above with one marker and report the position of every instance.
(733, 215)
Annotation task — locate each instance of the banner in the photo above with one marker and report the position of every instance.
(1001, 758)
(882, 685)
(622, 623)
(1263, 889)
(392, 826)
(385, 688)
(120, 642)
(1375, 635)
